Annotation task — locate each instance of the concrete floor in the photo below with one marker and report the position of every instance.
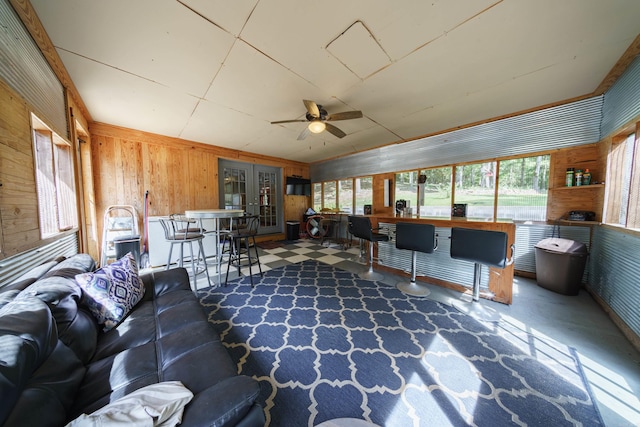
(610, 363)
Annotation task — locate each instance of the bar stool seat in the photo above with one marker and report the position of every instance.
(415, 237)
(360, 226)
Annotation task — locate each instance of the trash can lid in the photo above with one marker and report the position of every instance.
(563, 246)
(124, 239)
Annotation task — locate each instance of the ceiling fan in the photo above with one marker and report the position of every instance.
(318, 117)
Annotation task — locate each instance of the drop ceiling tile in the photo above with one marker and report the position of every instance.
(219, 125)
(162, 42)
(359, 51)
(125, 100)
(256, 85)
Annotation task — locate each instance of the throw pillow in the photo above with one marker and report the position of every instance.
(112, 291)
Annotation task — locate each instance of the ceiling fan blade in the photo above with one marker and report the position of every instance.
(312, 108)
(304, 133)
(334, 130)
(287, 121)
(346, 115)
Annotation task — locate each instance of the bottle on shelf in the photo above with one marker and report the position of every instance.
(586, 177)
(578, 177)
(569, 179)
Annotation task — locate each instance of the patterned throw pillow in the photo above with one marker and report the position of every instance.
(112, 291)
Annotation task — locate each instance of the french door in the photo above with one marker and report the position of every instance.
(256, 189)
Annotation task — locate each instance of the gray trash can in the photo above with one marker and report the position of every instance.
(560, 264)
(293, 230)
(126, 244)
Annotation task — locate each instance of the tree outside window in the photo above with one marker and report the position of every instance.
(434, 194)
(523, 188)
(345, 195)
(406, 188)
(475, 187)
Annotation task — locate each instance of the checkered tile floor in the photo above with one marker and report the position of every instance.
(289, 252)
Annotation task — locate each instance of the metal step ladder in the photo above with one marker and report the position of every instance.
(120, 221)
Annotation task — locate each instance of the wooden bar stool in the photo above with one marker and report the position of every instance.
(415, 237)
(360, 226)
(482, 247)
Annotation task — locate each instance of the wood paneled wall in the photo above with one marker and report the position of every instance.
(562, 198)
(18, 198)
(178, 174)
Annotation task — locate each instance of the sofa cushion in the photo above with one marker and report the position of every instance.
(76, 328)
(36, 369)
(112, 291)
(70, 267)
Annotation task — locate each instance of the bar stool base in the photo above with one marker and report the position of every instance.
(371, 275)
(413, 288)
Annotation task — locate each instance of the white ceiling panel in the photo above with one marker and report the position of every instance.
(231, 17)
(219, 72)
(126, 100)
(161, 41)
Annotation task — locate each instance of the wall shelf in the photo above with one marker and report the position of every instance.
(578, 187)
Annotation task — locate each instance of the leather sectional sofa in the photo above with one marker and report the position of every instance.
(56, 362)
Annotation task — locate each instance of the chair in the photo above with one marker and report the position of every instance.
(240, 237)
(179, 230)
(415, 237)
(482, 247)
(360, 226)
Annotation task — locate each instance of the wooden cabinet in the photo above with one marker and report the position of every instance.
(563, 199)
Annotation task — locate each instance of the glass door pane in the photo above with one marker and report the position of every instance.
(269, 198)
(256, 189)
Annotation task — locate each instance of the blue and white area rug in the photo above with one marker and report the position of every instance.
(325, 344)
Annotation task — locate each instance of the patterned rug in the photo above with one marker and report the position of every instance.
(325, 344)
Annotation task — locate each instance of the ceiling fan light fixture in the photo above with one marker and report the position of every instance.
(317, 126)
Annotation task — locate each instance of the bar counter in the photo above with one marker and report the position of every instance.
(439, 268)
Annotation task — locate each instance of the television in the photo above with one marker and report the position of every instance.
(296, 186)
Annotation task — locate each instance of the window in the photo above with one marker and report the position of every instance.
(623, 185)
(345, 195)
(364, 193)
(475, 187)
(522, 188)
(434, 192)
(317, 196)
(54, 180)
(406, 188)
(329, 191)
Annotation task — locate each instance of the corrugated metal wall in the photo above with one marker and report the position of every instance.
(614, 274)
(13, 267)
(25, 69)
(621, 101)
(566, 125)
(527, 235)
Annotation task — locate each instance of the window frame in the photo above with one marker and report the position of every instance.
(55, 181)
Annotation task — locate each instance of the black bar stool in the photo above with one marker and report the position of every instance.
(415, 237)
(360, 226)
(482, 247)
(241, 237)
